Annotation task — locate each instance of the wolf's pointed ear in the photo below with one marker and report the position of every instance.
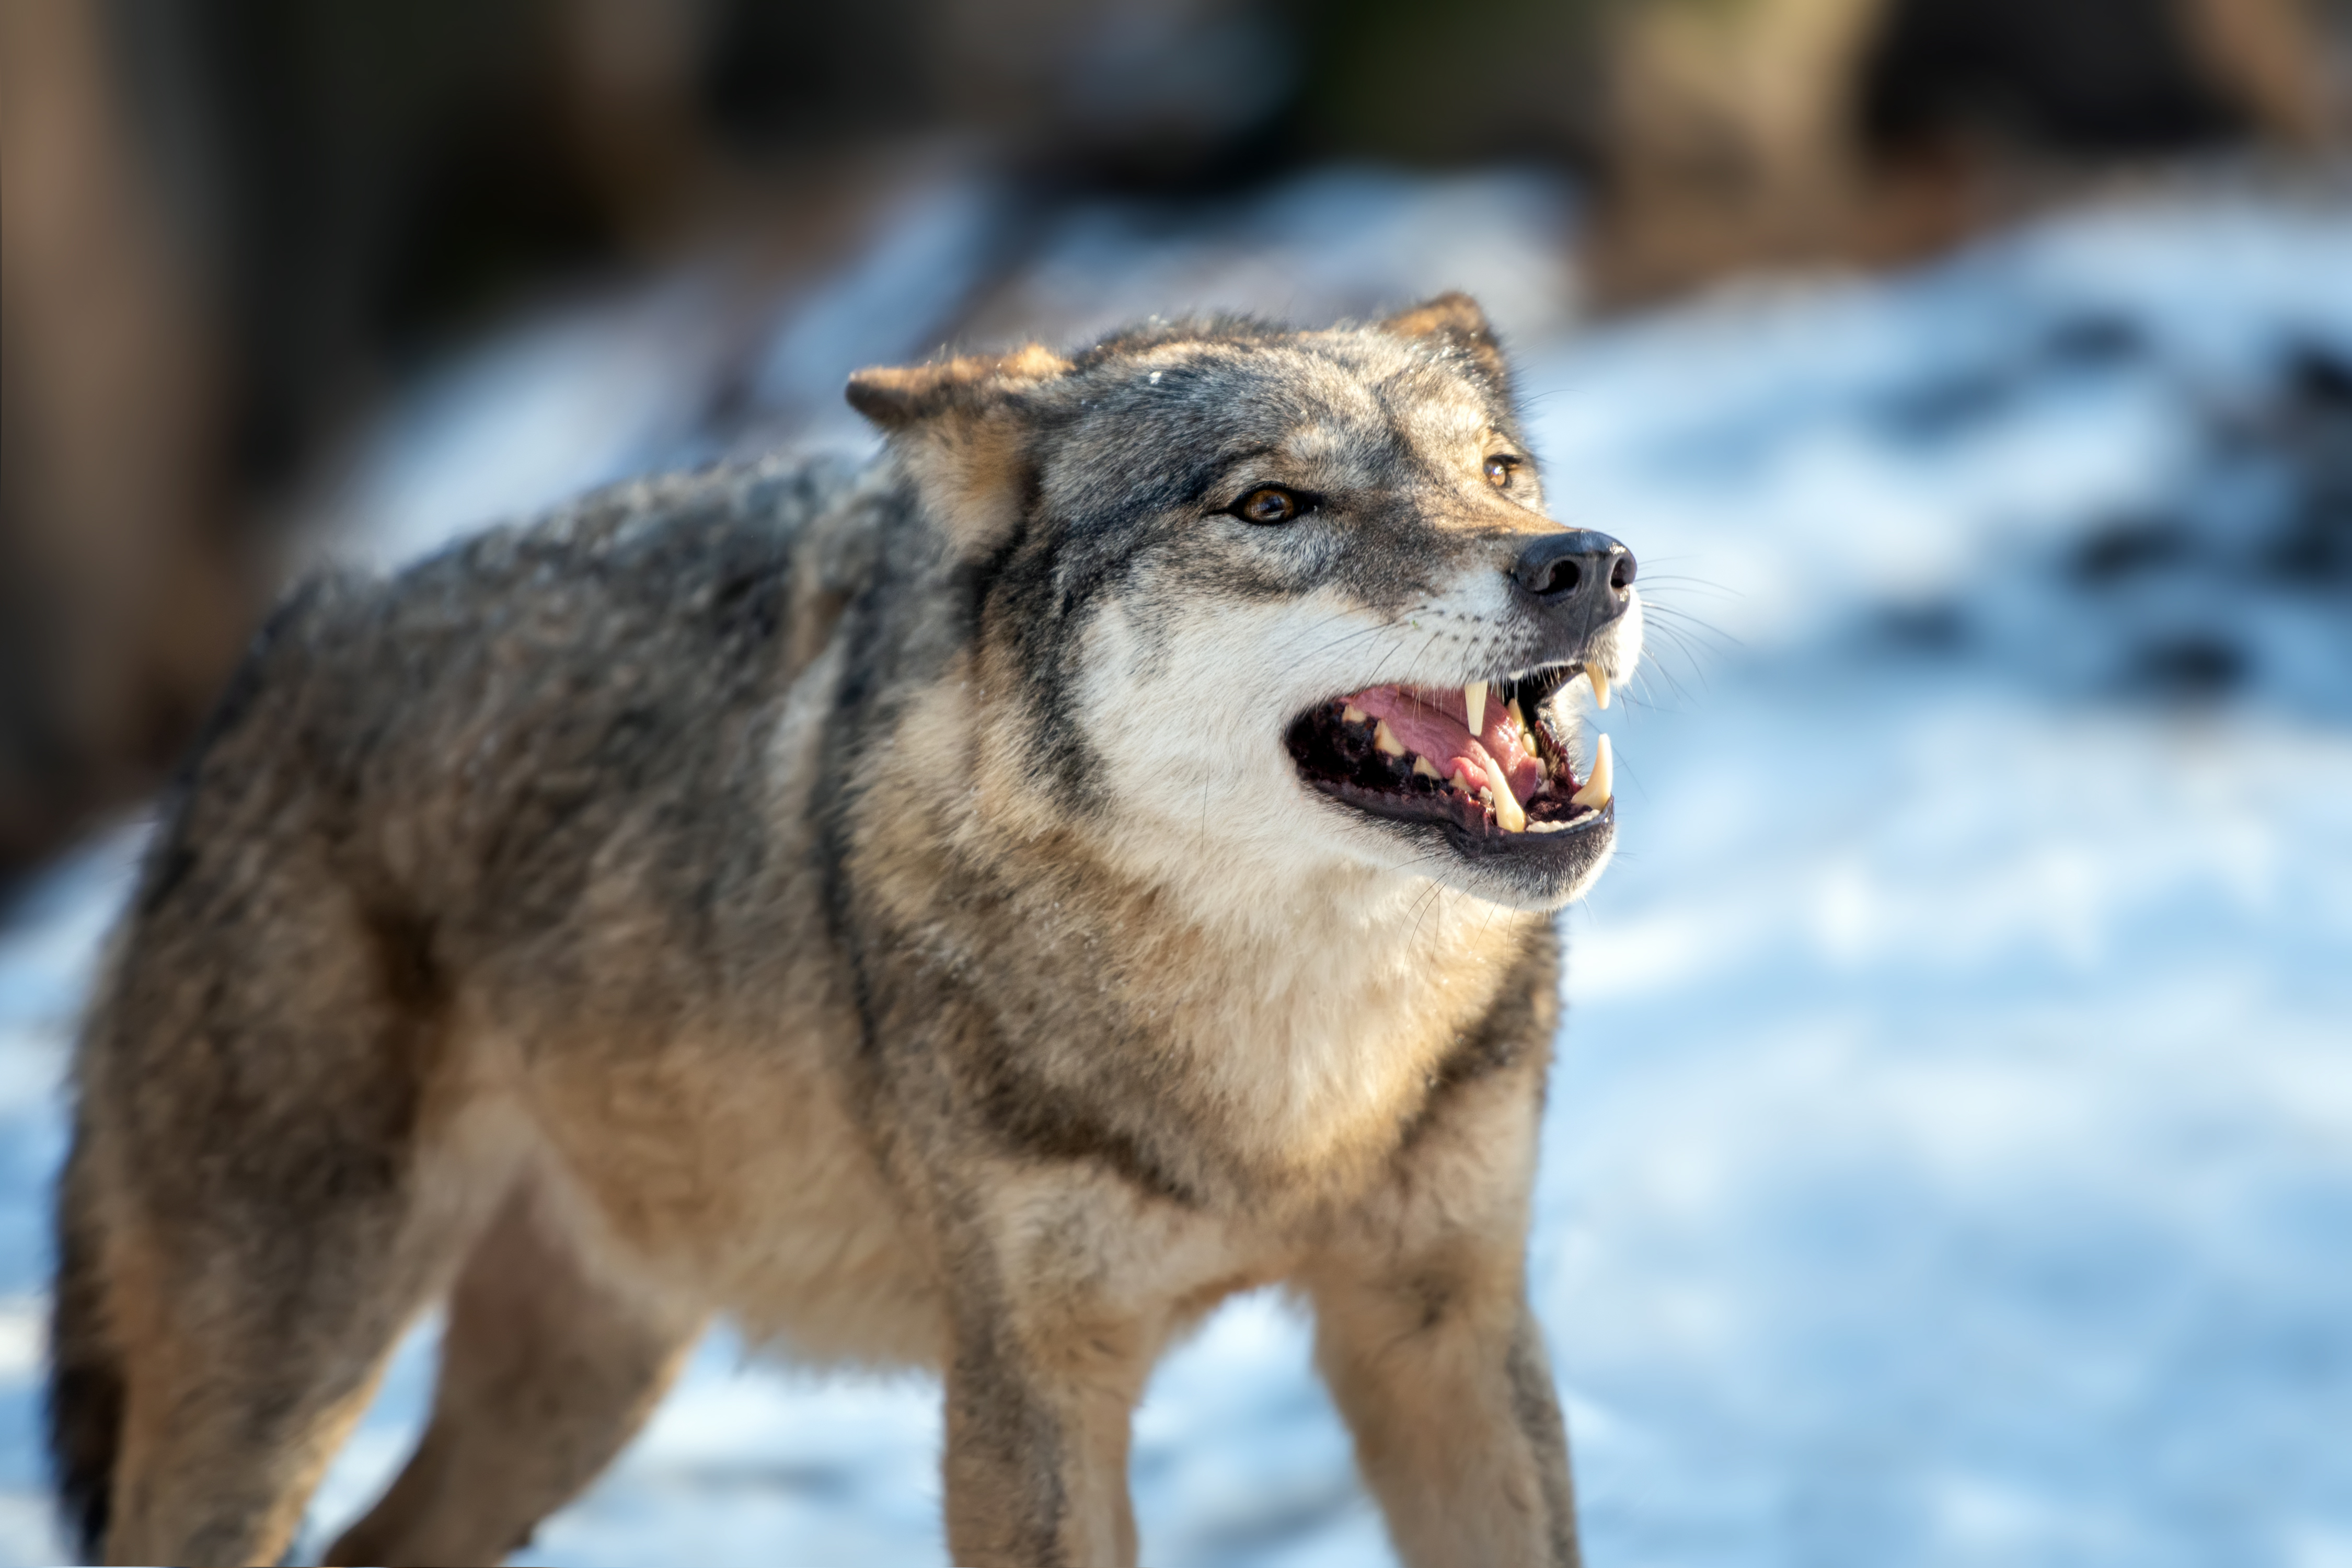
(961, 427)
(1455, 321)
(895, 397)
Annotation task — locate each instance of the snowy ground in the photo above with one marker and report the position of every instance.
(1949, 1158)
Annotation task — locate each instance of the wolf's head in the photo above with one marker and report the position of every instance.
(1273, 600)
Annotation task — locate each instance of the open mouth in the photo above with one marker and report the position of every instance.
(1483, 761)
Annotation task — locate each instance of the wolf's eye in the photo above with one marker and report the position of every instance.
(1499, 469)
(1271, 504)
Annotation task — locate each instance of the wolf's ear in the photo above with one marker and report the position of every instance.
(895, 397)
(1455, 321)
(961, 427)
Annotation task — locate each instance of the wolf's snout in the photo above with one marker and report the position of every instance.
(1580, 574)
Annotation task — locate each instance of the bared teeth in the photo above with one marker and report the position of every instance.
(1508, 812)
(1596, 792)
(1509, 815)
(1600, 685)
(1480, 776)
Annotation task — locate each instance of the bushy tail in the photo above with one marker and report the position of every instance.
(85, 1388)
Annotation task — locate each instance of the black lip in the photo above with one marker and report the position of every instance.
(1568, 843)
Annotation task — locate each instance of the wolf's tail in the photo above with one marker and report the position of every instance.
(85, 1388)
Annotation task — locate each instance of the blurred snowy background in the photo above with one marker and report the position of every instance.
(1949, 1155)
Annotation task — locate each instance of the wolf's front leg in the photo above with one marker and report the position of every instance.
(1036, 1456)
(1440, 1370)
(1041, 1388)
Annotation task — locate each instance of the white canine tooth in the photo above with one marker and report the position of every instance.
(1596, 790)
(1385, 739)
(1422, 766)
(1519, 717)
(1508, 812)
(1474, 700)
(1353, 714)
(1600, 685)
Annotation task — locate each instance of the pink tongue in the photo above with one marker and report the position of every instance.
(1435, 725)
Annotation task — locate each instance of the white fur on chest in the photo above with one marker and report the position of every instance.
(1330, 1000)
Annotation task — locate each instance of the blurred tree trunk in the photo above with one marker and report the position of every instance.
(120, 602)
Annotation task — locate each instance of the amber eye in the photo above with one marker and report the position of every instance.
(1499, 470)
(1268, 505)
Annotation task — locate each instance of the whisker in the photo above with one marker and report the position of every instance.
(1672, 618)
(1683, 582)
(1285, 652)
(1684, 617)
(1641, 693)
(1693, 657)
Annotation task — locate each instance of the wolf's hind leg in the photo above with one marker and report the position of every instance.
(241, 1378)
(263, 1197)
(548, 1366)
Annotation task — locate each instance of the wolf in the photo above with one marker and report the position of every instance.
(975, 910)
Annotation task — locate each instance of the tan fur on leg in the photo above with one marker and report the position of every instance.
(1443, 1378)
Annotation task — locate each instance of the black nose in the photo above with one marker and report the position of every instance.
(1577, 572)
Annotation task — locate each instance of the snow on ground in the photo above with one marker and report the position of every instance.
(1949, 1158)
